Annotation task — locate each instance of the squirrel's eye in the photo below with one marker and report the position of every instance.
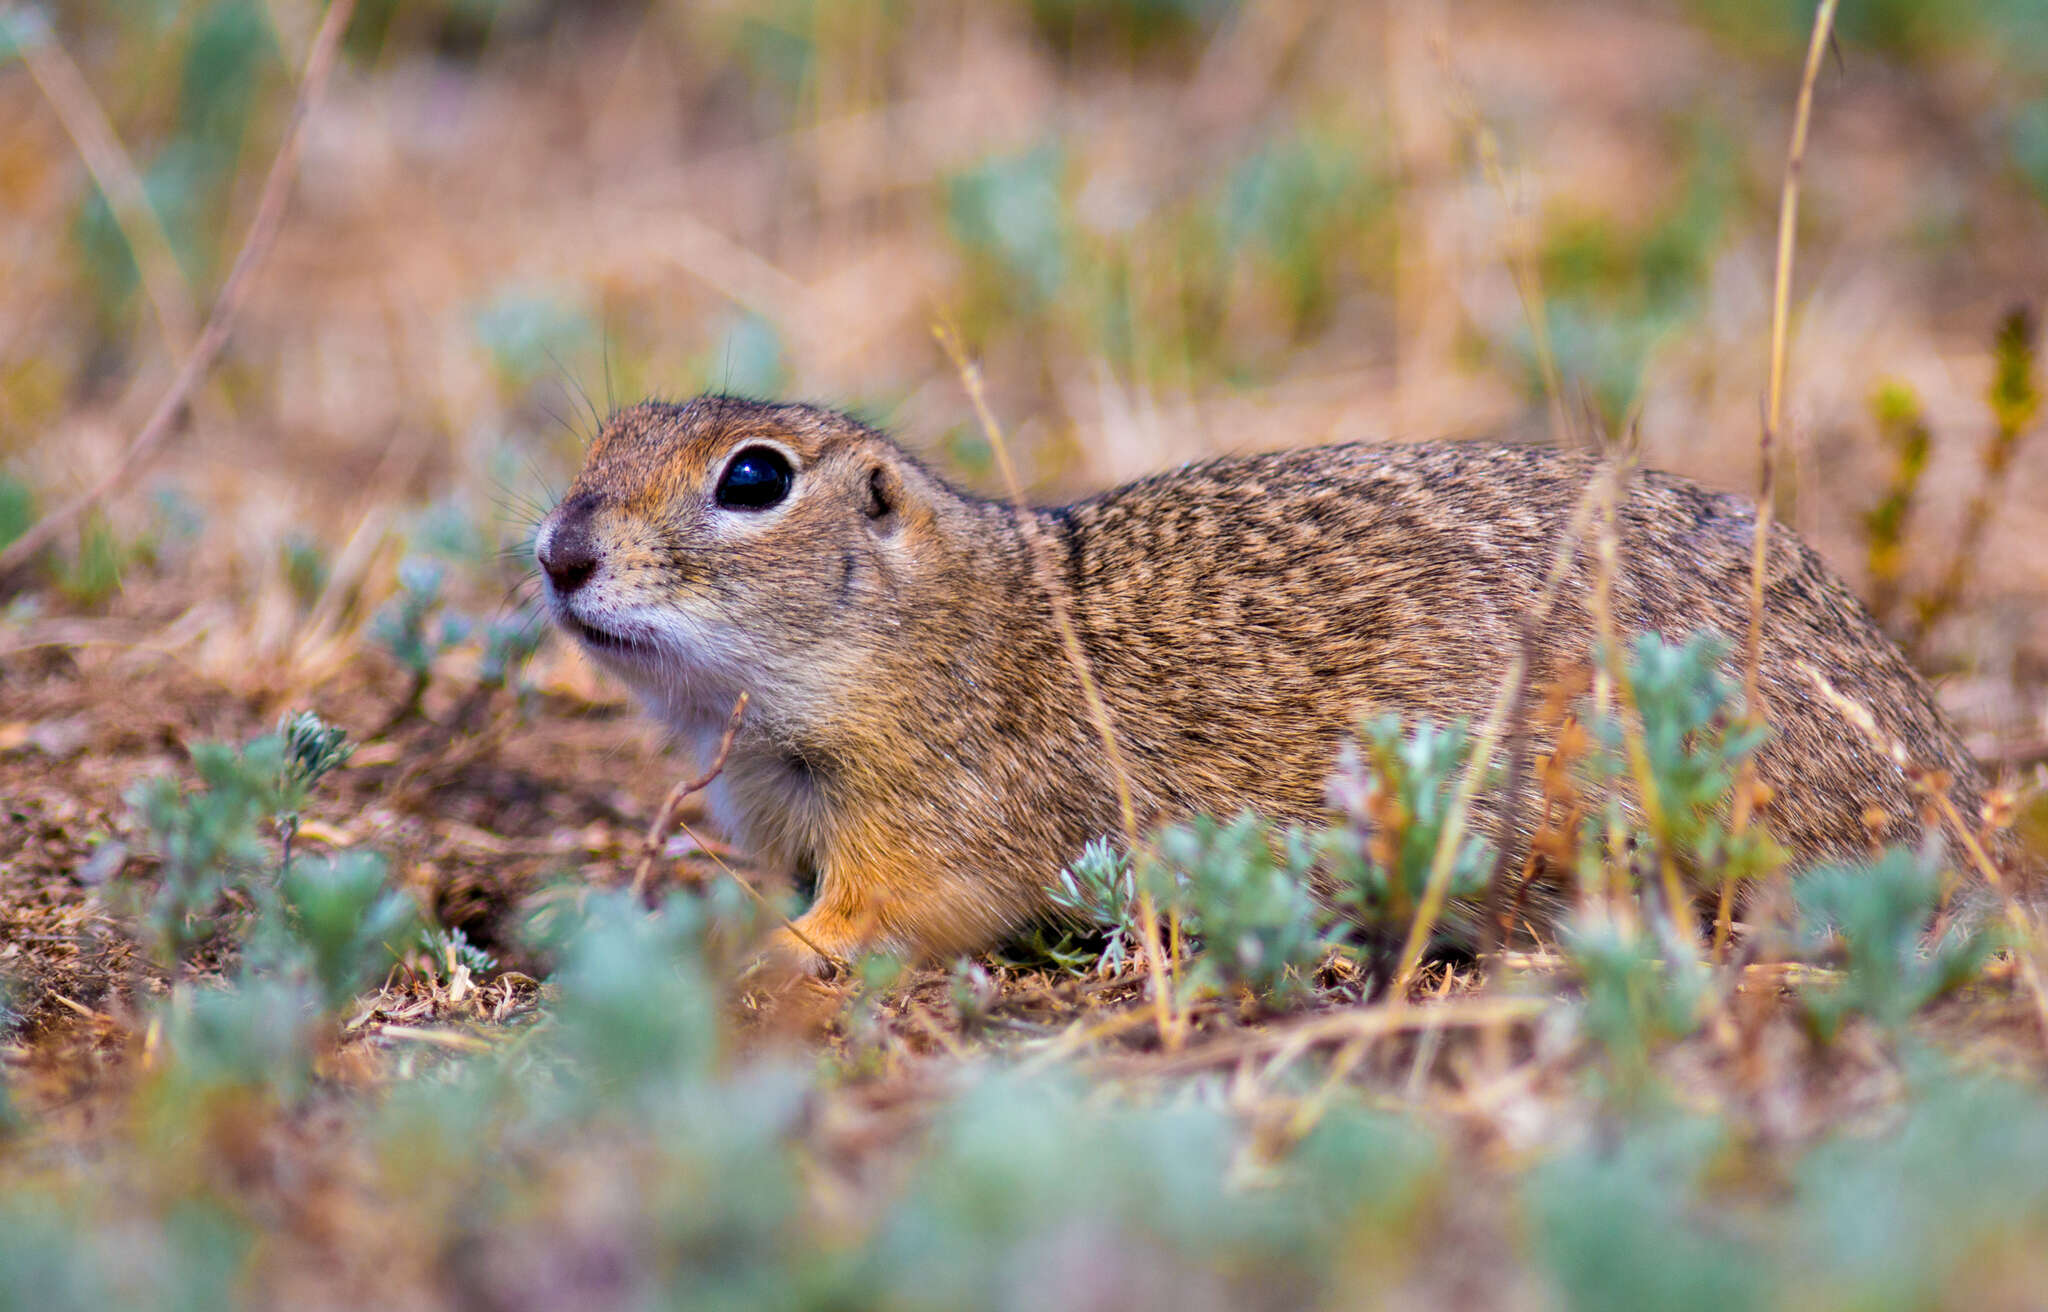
(757, 478)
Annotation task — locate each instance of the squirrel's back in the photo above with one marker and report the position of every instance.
(1241, 614)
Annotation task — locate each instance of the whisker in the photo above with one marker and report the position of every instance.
(611, 397)
(566, 381)
(560, 422)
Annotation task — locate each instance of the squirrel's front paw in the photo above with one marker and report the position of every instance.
(790, 953)
(815, 945)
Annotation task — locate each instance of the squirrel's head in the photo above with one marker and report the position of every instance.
(728, 545)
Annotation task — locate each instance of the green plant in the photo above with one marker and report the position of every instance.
(1695, 743)
(313, 749)
(749, 358)
(223, 53)
(1637, 995)
(2014, 399)
(1101, 889)
(447, 950)
(1877, 915)
(874, 975)
(1260, 927)
(207, 839)
(305, 568)
(1017, 1168)
(1617, 292)
(2029, 145)
(17, 507)
(1294, 211)
(447, 530)
(509, 642)
(93, 573)
(1948, 1194)
(1392, 793)
(1131, 28)
(1009, 215)
(637, 1012)
(405, 625)
(528, 331)
(45, 1241)
(972, 992)
(1615, 1229)
(407, 629)
(254, 1038)
(344, 921)
(1902, 426)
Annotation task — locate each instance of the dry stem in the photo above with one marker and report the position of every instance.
(1521, 261)
(1506, 703)
(1774, 418)
(665, 819)
(1992, 464)
(113, 172)
(262, 233)
(2027, 934)
(1369, 1023)
(839, 964)
(1098, 710)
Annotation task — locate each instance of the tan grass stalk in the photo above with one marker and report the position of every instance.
(1527, 277)
(2025, 931)
(840, 964)
(1521, 261)
(113, 172)
(2012, 417)
(1157, 959)
(1774, 417)
(1603, 893)
(1343, 1025)
(220, 322)
(1934, 788)
(1083, 1034)
(1633, 744)
(1506, 699)
(1312, 1109)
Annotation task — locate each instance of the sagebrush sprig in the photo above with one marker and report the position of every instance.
(1243, 890)
(313, 749)
(1874, 916)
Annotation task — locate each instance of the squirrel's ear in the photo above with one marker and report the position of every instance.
(884, 492)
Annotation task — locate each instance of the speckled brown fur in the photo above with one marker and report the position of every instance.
(917, 735)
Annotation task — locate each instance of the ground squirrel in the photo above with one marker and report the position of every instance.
(917, 739)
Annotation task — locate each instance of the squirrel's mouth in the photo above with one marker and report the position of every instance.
(602, 639)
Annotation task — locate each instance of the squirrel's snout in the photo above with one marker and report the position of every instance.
(567, 549)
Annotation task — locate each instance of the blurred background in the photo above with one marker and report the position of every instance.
(1167, 228)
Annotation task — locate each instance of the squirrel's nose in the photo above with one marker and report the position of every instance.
(568, 549)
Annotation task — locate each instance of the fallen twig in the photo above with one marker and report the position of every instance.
(668, 820)
(262, 233)
(453, 1039)
(1388, 1018)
